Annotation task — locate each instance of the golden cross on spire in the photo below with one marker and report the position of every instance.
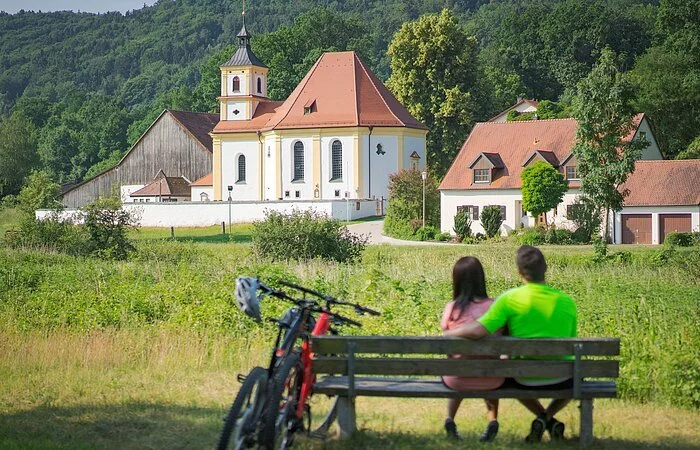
(244, 7)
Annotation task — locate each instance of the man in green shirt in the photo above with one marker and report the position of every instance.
(534, 310)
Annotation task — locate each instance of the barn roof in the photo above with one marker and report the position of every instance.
(199, 125)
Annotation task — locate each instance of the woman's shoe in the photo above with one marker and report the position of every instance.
(451, 429)
(490, 432)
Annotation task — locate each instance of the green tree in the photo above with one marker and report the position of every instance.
(107, 225)
(18, 152)
(433, 63)
(543, 188)
(605, 155)
(692, 151)
(491, 220)
(404, 214)
(40, 192)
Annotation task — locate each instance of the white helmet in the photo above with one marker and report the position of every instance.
(247, 297)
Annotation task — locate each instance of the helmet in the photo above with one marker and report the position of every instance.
(247, 297)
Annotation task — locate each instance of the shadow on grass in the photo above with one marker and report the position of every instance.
(124, 426)
(154, 426)
(236, 238)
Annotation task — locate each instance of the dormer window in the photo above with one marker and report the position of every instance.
(309, 107)
(482, 175)
(572, 173)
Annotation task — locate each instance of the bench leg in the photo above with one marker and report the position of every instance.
(346, 417)
(586, 431)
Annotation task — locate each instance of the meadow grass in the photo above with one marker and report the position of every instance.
(143, 353)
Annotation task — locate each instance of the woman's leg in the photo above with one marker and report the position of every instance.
(452, 407)
(491, 409)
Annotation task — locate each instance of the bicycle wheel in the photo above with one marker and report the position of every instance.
(322, 431)
(279, 418)
(242, 419)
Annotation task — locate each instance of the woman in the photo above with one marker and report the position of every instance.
(469, 302)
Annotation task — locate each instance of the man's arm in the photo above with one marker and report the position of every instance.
(472, 330)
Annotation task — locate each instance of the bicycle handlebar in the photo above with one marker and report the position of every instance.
(359, 308)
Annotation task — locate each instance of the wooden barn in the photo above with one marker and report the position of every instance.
(177, 143)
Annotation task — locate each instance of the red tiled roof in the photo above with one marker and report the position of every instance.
(197, 124)
(513, 142)
(664, 182)
(165, 186)
(206, 180)
(342, 92)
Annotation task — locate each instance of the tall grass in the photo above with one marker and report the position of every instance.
(185, 287)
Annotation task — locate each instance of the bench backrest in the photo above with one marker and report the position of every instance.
(412, 355)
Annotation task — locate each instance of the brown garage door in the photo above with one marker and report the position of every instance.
(636, 228)
(674, 222)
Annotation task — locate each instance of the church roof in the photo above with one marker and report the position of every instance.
(338, 91)
(244, 56)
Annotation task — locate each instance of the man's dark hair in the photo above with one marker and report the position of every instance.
(531, 263)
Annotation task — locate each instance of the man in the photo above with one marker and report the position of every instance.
(534, 310)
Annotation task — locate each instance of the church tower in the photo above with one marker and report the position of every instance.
(243, 81)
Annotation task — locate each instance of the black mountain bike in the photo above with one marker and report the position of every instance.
(273, 403)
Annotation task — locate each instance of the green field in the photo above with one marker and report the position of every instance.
(143, 353)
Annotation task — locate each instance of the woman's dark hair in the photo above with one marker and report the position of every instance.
(468, 282)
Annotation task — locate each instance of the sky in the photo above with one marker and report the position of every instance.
(12, 6)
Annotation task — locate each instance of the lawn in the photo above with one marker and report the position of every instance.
(143, 353)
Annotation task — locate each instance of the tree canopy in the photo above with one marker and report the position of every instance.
(543, 188)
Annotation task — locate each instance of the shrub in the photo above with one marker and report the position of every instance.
(304, 235)
(530, 236)
(463, 224)
(442, 237)
(491, 220)
(426, 233)
(600, 250)
(107, 225)
(53, 233)
(679, 239)
(558, 236)
(404, 214)
(586, 217)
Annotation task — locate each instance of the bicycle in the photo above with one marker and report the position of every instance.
(273, 404)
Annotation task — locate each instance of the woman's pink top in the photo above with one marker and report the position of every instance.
(452, 318)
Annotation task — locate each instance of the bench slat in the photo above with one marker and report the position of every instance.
(433, 388)
(466, 367)
(450, 345)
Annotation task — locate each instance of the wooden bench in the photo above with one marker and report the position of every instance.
(398, 366)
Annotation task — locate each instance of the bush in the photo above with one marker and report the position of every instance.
(442, 237)
(679, 239)
(304, 235)
(586, 217)
(463, 224)
(530, 236)
(491, 220)
(404, 214)
(53, 233)
(558, 236)
(107, 225)
(427, 233)
(600, 250)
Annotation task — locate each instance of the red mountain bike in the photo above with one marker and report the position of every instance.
(273, 404)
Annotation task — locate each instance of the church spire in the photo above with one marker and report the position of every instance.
(243, 35)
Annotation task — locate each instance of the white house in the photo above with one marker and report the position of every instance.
(487, 169)
(522, 106)
(340, 134)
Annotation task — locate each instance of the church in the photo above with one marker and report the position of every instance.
(339, 135)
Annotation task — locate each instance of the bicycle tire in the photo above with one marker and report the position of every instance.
(243, 416)
(281, 404)
(322, 431)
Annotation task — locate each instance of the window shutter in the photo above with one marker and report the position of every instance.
(475, 212)
(503, 212)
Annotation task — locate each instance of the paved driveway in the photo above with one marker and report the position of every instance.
(374, 229)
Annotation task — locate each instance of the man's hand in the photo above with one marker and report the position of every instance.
(473, 330)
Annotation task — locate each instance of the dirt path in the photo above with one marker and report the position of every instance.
(374, 231)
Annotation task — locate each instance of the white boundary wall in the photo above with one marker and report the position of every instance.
(202, 214)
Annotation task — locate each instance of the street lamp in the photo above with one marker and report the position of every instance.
(424, 176)
(230, 188)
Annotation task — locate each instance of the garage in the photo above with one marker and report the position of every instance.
(636, 228)
(670, 223)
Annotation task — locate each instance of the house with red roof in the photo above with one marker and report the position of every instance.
(663, 195)
(339, 135)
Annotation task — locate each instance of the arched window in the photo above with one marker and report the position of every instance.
(204, 197)
(241, 169)
(298, 161)
(236, 84)
(336, 160)
(259, 85)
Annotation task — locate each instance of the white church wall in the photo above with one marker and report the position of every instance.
(242, 190)
(270, 173)
(411, 144)
(380, 163)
